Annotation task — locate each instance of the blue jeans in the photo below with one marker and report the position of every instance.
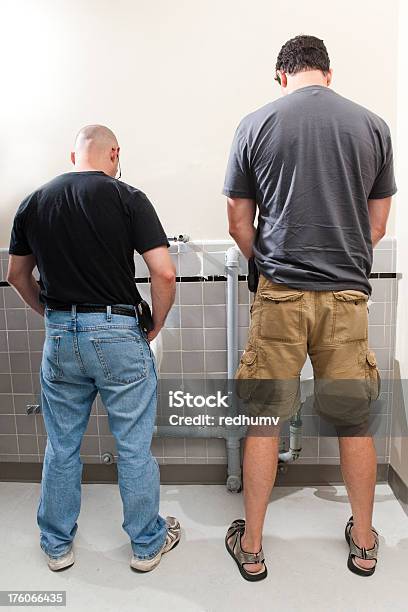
(85, 353)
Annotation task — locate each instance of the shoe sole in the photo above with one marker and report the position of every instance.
(145, 571)
(61, 569)
(64, 567)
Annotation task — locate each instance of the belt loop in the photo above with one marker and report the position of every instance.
(109, 313)
(73, 313)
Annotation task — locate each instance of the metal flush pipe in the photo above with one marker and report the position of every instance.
(232, 271)
(180, 238)
(233, 434)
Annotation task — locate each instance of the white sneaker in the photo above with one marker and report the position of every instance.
(172, 539)
(61, 562)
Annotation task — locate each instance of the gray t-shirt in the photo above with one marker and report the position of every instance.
(311, 160)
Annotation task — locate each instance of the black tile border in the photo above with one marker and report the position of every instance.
(294, 474)
(220, 277)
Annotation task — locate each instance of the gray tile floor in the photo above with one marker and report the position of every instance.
(304, 546)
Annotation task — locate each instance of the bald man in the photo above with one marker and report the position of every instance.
(81, 231)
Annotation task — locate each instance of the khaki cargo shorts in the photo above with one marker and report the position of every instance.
(330, 326)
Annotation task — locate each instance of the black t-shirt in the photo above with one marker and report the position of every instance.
(83, 229)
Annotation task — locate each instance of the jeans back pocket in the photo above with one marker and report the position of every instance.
(122, 359)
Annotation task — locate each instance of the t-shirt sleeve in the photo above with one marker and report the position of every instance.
(384, 185)
(147, 230)
(238, 177)
(19, 244)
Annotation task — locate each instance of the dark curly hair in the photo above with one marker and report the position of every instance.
(303, 53)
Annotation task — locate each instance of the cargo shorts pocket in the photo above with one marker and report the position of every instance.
(245, 376)
(281, 315)
(373, 378)
(350, 316)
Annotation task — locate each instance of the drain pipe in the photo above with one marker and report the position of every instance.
(295, 440)
(232, 271)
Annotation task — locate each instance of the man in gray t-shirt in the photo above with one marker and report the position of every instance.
(318, 169)
(311, 161)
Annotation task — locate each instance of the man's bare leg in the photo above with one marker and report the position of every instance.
(358, 460)
(259, 471)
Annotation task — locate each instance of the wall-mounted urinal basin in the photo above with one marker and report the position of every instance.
(306, 380)
(156, 346)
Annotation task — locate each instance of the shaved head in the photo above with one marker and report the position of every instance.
(95, 136)
(96, 146)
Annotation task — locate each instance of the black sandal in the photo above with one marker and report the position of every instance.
(241, 557)
(360, 553)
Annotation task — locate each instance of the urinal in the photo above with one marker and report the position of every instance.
(306, 380)
(156, 347)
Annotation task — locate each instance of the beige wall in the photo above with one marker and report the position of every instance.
(172, 78)
(399, 439)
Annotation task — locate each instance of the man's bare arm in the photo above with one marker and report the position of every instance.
(241, 216)
(20, 276)
(163, 285)
(378, 211)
